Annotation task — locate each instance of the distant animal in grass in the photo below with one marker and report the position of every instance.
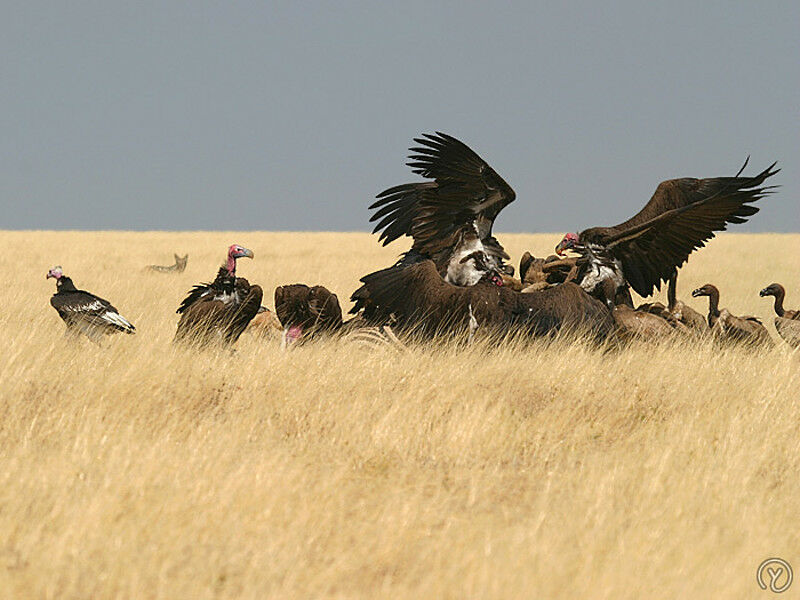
(219, 311)
(178, 267)
(728, 327)
(787, 322)
(85, 313)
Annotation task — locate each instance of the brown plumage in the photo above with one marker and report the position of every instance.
(417, 298)
(677, 310)
(649, 322)
(643, 325)
(452, 213)
(540, 273)
(178, 267)
(306, 312)
(778, 291)
(681, 216)
(787, 322)
(728, 327)
(219, 311)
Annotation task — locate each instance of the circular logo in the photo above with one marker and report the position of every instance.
(775, 574)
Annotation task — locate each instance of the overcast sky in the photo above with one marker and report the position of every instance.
(292, 116)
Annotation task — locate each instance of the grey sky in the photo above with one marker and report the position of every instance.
(292, 116)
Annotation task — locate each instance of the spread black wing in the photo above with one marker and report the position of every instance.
(464, 190)
(680, 217)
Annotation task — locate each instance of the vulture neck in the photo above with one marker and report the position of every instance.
(779, 302)
(64, 284)
(713, 305)
(231, 266)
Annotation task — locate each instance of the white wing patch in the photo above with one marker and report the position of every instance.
(116, 319)
(96, 305)
(228, 298)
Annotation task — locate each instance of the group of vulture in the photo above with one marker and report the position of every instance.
(456, 278)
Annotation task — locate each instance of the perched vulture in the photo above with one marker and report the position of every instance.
(417, 298)
(84, 312)
(649, 247)
(787, 322)
(727, 327)
(449, 217)
(221, 310)
(306, 311)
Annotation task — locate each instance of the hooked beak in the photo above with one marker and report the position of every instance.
(246, 253)
(562, 245)
(697, 293)
(764, 292)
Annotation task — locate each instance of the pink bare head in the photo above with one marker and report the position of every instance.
(568, 242)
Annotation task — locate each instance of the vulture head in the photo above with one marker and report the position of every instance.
(773, 289)
(237, 251)
(706, 290)
(570, 241)
(56, 273)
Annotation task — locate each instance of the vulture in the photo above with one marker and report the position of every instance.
(677, 310)
(84, 312)
(220, 310)
(644, 325)
(449, 216)
(649, 247)
(728, 327)
(305, 312)
(417, 298)
(787, 322)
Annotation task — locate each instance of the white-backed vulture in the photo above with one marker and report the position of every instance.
(787, 322)
(728, 327)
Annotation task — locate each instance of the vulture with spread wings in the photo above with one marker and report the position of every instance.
(449, 217)
(649, 248)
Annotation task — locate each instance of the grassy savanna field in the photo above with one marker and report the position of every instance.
(544, 471)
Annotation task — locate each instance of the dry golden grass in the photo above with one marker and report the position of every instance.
(335, 471)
